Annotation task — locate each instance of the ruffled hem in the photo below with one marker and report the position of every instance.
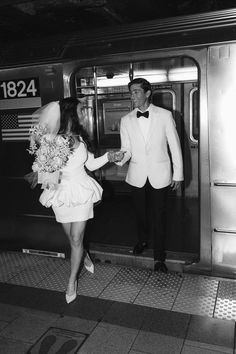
(72, 194)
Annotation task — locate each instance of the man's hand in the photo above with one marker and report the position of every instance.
(115, 156)
(175, 184)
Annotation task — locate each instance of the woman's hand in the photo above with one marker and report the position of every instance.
(115, 156)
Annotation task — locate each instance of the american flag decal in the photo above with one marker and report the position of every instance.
(15, 126)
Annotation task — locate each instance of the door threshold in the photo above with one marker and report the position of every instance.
(122, 255)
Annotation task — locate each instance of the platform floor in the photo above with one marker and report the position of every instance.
(118, 310)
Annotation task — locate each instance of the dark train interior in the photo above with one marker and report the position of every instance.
(175, 87)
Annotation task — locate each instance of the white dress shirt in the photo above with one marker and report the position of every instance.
(144, 124)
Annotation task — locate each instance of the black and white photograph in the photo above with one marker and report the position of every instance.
(118, 177)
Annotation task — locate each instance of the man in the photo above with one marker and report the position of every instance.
(146, 133)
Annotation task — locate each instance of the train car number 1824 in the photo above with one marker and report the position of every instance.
(21, 88)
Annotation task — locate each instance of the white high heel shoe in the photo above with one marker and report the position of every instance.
(90, 266)
(72, 297)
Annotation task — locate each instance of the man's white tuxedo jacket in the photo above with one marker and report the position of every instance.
(150, 157)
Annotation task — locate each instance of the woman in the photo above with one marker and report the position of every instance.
(72, 199)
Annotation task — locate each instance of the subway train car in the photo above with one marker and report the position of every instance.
(191, 63)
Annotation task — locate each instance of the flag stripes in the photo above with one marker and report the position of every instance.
(16, 126)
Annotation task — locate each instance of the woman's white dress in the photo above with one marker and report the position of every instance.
(73, 198)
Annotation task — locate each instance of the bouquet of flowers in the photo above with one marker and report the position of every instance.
(51, 154)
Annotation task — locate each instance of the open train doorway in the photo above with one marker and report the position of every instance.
(175, 84)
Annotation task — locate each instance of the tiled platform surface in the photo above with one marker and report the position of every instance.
(119, 309)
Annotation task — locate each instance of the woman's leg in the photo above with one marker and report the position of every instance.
(75, 233)
(66, 228)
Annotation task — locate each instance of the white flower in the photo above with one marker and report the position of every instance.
(35, 167)
(58, 160)
(42, 158)
(51, 152)
(60, 140)
(48, 137)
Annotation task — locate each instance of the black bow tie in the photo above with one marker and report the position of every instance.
(144, 114)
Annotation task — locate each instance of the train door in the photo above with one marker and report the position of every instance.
(175, 87)
(222, 124)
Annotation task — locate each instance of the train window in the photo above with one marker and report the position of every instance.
(112, 79)
(153, 71)
(194, 115)
(85, 81)
(106, 87)
(106, 79)
(164, 98)
(179, 69)
(112, 113)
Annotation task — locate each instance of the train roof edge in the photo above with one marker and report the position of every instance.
(190, 30)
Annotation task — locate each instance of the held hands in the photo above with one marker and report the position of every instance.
(115, 156)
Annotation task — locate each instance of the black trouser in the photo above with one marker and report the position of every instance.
(150, 210)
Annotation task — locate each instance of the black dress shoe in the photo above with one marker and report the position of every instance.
(160, 267)
(139, 248)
